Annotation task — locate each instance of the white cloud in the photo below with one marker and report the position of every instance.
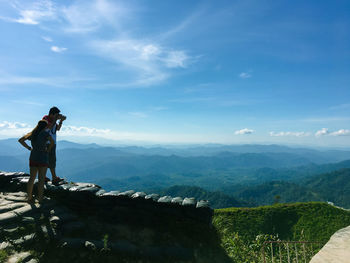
(14, 129)
(295, 134)
(83, 131)
(33, 13)
(58, 49)
(341, 132)
(13, 125)
(322, 132)
(244, 131)
(245, 75)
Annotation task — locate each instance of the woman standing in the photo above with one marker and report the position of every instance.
(38, 160)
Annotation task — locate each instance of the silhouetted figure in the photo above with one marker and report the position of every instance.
(39, 157)
(54, 115)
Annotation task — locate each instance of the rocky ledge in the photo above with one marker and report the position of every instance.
(80, 222)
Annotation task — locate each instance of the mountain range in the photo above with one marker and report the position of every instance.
(231, 175)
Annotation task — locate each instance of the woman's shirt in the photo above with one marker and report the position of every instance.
(39, 147)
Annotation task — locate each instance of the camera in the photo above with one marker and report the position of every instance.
(62, 117)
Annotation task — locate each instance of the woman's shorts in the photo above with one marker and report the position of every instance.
(36, 164)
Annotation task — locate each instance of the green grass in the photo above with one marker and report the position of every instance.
(3, 255)
(243, 230)
(313, 221)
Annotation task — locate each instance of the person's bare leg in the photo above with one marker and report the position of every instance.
(53, 173)
(33, 172)
(42, 174)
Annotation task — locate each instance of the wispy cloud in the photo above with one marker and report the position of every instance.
(340, 107)
(27, 102)
(183, 25)
(47, 39)
(58, 49)
(176, 59)
(245, 75)
(147, 59)
(159, 108)
(138, 114)
(194, 99)
(326, 119)
(141, 61)
(8, 79)
(61, 82)
(244, 131)
(33, 13)
(288, 133)
(85, 17)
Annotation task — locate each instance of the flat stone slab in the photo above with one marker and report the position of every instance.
(11, 206)
(15, 198)
(337, 249)
(5, 202)
(19, 257)
(13, 214)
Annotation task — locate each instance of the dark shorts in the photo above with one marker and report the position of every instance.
(52, 157)
(36, 164)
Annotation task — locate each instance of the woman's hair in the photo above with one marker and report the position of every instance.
(42, 124)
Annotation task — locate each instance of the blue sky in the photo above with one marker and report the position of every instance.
(178, 71)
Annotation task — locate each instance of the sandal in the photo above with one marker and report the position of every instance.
(57, 180)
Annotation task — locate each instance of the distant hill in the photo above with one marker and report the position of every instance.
(14, 164)
(11, 147)
(277, 191)
(333, 186)
(63, 144)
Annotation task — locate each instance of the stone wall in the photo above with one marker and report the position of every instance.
(88, 223)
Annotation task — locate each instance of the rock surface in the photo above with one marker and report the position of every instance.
(336, 250)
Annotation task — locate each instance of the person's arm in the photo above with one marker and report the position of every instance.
(52, 142)
(59, 125)
(22, 141)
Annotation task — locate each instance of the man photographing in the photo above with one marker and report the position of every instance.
(52, 118)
